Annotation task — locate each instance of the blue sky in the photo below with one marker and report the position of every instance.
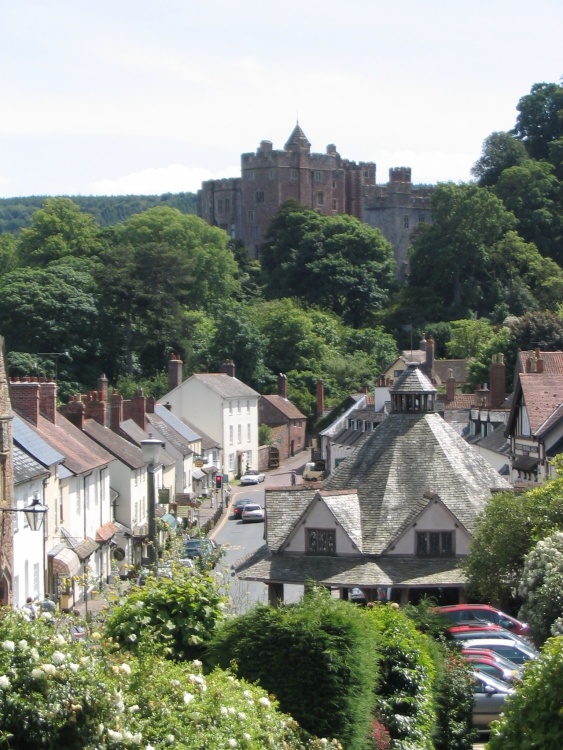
(132, 96)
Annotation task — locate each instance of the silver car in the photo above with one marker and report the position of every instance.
(490, 695)
(512, 650)
(252, 512)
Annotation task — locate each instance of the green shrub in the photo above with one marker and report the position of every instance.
(532, 716)
(541, 588)
(406, 675)
(454, 699)
(317, 657)
(178, 613)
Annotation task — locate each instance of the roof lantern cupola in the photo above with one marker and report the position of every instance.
(413, 392)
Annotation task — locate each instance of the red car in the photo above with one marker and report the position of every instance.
(484, 612)
(490, 663)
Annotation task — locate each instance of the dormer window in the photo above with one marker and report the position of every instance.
(435, 544)
(320, 541)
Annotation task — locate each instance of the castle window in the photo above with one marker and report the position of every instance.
(224, 227)
(271, 174)
(366, 172)
(294, 174)
(251, 175)
(406, 222)
(320, 541)
(255, 232)
(421, 219)
(227, 204)
(334, 184)
(251, 215)
(259, 196)
(334, 204)
(317, 176)
(435, 544)
(219, 206)
(320, 198)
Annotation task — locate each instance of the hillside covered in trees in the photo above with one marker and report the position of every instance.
(122, 283)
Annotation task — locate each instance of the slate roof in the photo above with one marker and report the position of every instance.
(412, 380)
(182, 428)
(207, 443)
(26, 468)
(169, 434)
(224, 385)
(120, 448)
(284, 507)
(297, 137)
(33, 443)
(350, 437)
(131, 431)
(284, 406)
(347, 572)
(496, 441)
(407, 455)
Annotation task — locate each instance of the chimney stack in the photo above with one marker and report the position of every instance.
(74, 412)
(430, 354)
(282, 385)
(320, 398)
(497, 378)
(136, 409)
(539, 362)
(116, 412)
(228, 367)
(103, 388)
(175, 365)
(48, 399)
(450, 387)
(25, 398)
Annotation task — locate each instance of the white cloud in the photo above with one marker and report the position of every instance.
(175, 178)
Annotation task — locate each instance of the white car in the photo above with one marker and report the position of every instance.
(252, 477)
(252, 512)
(512, 650)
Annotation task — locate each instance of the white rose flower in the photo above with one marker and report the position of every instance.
(170, 739)
(132, 637)
(246, 736)
(22, 644)
(232, 742)
(58, 657)
(197, 663)
(34, 653)
(133, 709)
(8, 645)
(241, 715)
(49, 669)
(37, 674)
(224, 711)
(264, 702)
(46, 615)
(188, 697)
(4, 682)
(125, 668)
(136, 739)
(115, 736)
(73, 667)
(59, 638)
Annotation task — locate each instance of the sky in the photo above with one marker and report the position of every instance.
(146, 97)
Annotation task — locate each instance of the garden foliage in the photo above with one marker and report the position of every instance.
(317, 657)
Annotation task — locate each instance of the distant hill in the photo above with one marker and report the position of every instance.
(107, 210)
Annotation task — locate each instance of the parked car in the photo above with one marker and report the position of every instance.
(488, 630)
(490, 695)
(357, 596)
(494, 665)
(512, 650)
(467, 612)
(252, 512)
(252, 477)
(239, 505)
(202, 550)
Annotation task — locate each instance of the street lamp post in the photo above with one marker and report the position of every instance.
(151, 450)
(35, 514)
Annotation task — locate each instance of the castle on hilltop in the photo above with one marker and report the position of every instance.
(328, 183)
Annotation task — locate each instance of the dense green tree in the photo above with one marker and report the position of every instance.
(540, 118)
(540, 329)
(336, 262)
(541, 589)
(506, 531)
(450, 259)
(500, 151)
(534, 195)
(8, 253)
(54, 310)
(58, 230)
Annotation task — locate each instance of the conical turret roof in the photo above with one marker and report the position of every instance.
(413, 380)
(297, 138)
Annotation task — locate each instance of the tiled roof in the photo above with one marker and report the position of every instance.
(458, 367)
(284, 507)
(460, 401)
(81, 454)
(224, 385)
(284, 406)
(131, 431)
(120, 448)
(552, 362)
(406, 456)
(543, 394)
(347, 572)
